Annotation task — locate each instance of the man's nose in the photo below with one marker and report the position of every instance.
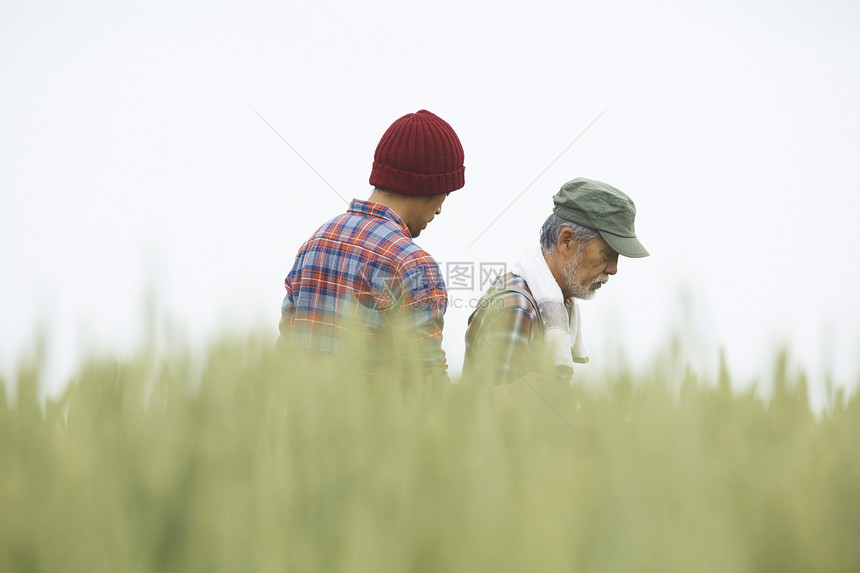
(439, 211)
(612, 267)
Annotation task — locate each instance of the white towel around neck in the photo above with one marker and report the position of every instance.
(562, 323)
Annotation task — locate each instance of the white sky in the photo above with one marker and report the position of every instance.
(131, 158)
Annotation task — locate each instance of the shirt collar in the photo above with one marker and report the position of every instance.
(370, 209)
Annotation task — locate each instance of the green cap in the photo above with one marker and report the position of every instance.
(603, 208)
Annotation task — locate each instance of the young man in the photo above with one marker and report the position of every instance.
(361, 271)
(529, 320)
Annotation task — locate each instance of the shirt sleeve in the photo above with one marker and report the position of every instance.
(499, 338)
(288, 310)
(425, 300)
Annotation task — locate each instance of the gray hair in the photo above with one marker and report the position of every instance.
(553, 226)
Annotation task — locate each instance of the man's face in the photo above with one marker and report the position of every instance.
(589, 268)
(424, 210)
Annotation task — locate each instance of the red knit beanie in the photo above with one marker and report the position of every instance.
(419, 155)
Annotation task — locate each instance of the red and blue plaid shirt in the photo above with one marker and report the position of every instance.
(362, 269)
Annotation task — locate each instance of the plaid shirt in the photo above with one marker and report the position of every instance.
(502, 332)
(360, 268)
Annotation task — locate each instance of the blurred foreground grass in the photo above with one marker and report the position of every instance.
(265, 464)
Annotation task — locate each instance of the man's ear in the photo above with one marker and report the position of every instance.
(567, 242)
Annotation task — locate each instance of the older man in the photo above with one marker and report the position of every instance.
(361, 272)
(529, 321)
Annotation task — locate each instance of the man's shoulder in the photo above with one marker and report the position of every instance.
(388, 241)
(511, 291)
(507, 302)
(359, 227)
(373, 247)
(506, 308)
(377, 237)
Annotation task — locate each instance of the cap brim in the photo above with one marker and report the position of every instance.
(626, 246)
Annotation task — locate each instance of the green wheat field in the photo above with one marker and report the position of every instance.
(256, 461)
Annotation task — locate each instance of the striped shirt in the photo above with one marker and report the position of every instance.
(362, 269)
(503, 332)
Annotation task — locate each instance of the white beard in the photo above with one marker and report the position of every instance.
(573, 285)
